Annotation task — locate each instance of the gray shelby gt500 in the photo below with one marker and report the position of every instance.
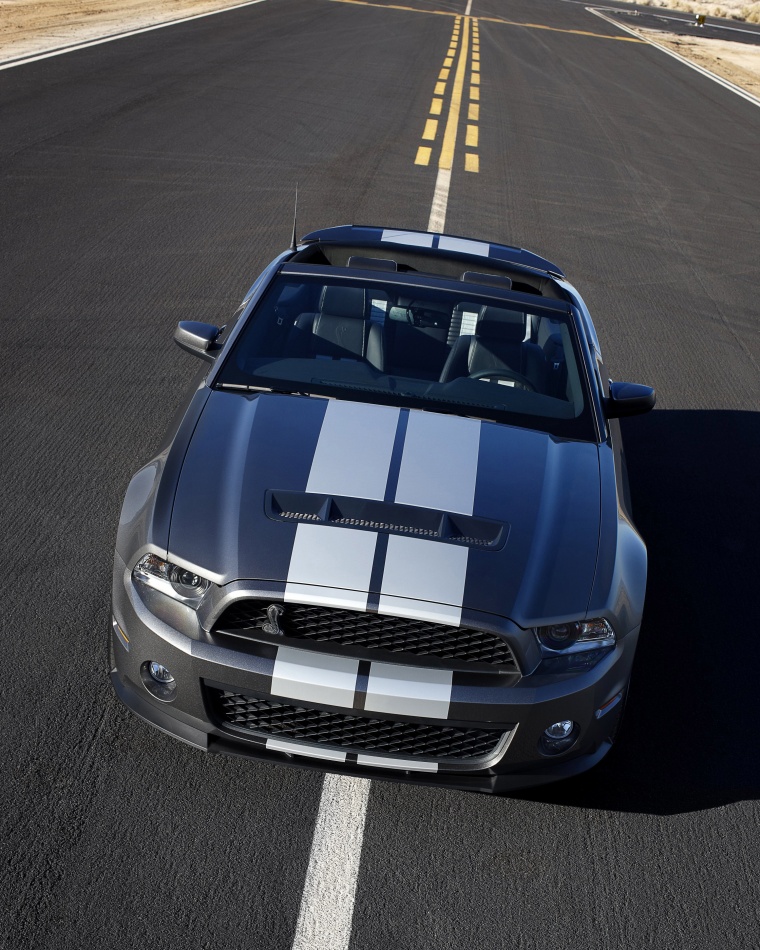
(390, 534)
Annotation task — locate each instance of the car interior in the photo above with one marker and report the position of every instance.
(425, 336)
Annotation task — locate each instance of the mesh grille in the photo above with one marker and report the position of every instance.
(350, 733)
(368, 631)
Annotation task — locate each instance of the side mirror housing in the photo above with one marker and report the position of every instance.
(628, 399)
(198, 339)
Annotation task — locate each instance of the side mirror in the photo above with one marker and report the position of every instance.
(628, 399)
(198, 339)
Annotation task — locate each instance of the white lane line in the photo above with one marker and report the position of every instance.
(705, 72)
(59, 51)
(469, 8)
(446, 162)
(327, 903)
(440, 201)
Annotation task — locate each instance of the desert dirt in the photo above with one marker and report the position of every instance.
(736, 62)
(728, 9)
(28, 27)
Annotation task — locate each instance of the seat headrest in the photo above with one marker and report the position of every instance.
(498, 324)
(343, 302)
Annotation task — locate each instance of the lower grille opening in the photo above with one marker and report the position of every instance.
(269, 718)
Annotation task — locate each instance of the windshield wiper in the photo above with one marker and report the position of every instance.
(246, 388)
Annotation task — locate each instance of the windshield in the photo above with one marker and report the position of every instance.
(449, 350)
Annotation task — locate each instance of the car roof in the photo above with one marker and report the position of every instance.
(430, 243)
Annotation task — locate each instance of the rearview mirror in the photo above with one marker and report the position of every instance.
(628, 399)
(198, 339)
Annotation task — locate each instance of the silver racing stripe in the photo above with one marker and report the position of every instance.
(331, 566)
(298, 748)
(354, 456)
(424, 579)
(354, 451)
(463, 246)
(439, 465)
(409, 238)
(411, 765)
(315, 677)
(330, 680)
(408, 691)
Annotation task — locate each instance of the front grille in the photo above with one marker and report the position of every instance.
(267, 718)
(360, 632)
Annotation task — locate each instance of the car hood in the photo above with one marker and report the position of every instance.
(402, 511)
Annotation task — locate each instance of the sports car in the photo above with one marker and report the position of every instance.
(389, 533)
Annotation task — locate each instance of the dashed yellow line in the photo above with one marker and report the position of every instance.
(452, 123)
(424, 153)
(472, 135)
(464, 36)
(461, 32)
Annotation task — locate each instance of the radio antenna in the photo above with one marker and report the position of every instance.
(295, 215)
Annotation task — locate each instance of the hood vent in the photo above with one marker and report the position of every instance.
(386, 518)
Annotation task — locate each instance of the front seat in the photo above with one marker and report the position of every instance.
(498, 344)
(340, 330)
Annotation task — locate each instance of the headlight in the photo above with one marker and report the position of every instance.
(171, 579)
(575, 637)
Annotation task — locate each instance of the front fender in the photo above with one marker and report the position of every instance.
(146, 512)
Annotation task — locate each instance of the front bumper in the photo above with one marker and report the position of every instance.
(521, 708)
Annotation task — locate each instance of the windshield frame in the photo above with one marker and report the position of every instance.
(584, 427)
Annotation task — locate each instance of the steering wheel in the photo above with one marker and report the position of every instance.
(520, 381)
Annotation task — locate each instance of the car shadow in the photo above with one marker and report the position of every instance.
(689, 740)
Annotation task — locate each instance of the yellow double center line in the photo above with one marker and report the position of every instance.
(430, 133)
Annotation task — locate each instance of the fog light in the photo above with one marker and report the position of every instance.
(557, 730)
(558, 737)
(158, 681)
(161, 675)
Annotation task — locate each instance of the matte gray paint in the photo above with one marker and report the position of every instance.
(146, 511)
(547, 491)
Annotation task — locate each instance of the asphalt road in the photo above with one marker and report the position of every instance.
(685, 25)
(678, 21)
(146, 181)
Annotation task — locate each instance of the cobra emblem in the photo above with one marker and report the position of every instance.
(274, 612)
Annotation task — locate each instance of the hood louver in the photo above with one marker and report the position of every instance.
(387, 518)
